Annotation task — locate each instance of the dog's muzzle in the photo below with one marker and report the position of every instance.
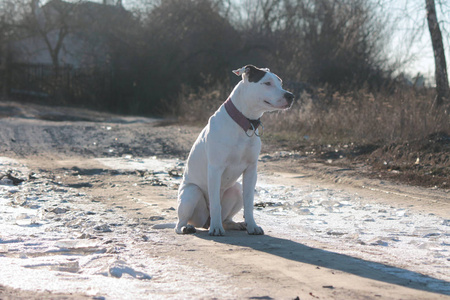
(289, 98)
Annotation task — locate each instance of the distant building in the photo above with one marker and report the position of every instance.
(77, 34)
(417, 82)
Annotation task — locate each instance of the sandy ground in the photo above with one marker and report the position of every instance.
(94, 215)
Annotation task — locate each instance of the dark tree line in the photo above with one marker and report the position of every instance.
(337, 43)
(148, 56)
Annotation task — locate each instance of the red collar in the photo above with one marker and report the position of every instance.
(239, 118)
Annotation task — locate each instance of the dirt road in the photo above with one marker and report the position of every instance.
(94, 212)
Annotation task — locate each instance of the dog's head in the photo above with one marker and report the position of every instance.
(265, 88)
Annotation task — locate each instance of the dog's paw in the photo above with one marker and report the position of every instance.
(255, 230)
(185, 229)
(188, 229)
(230, 225)
(216, 231)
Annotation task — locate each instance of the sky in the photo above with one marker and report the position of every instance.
(411, 37)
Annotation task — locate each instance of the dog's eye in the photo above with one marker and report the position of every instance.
(268, 83)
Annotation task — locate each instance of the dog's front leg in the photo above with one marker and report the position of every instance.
(215, 210)
(249, 182)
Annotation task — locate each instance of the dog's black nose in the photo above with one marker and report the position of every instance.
(289, 97)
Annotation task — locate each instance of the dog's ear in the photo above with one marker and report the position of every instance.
(240, 71)
(252, 73)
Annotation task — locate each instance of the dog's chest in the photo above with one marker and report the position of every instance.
(238, 161)
(244, 154)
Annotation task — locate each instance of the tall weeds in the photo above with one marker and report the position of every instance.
(196, 106)
(326, 117)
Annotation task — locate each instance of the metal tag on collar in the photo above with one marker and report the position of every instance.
(262, 127)
(253, 130)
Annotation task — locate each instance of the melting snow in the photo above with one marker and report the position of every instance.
(349, 225)
(48, 236)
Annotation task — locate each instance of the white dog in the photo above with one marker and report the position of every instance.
(228, 147)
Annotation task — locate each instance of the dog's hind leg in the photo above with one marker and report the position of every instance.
(232, 203)
(192, 209)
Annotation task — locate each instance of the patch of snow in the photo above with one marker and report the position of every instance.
(49, 237)
(348, 224)
(55, 238)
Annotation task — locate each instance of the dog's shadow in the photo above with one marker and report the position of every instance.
(322, 258)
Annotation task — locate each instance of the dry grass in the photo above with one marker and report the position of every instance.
(359, 116)
(195, 107)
